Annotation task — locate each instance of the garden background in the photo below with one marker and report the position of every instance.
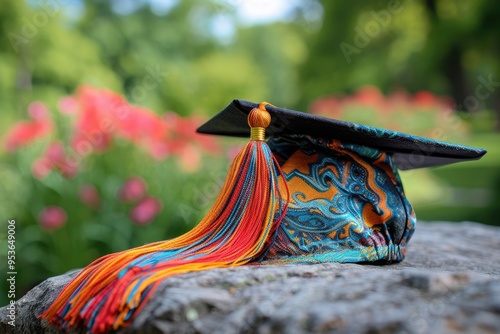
(100, 99)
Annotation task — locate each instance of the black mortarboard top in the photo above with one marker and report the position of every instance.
(407, 151)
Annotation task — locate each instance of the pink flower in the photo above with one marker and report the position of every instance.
(55, 151)
(89, 195)
(190, 158)
(145, 210)
(38, 111)
(41, 167)
(68, 105)
(159, 150)
(52, 217)
(133, 190)
(56, 155)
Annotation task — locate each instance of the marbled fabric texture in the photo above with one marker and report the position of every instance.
(347, 204)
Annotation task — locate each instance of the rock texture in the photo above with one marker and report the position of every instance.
(449, 283)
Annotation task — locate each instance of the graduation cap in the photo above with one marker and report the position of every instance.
(407, 151)
(318, 190)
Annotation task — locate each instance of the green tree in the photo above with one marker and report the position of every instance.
(448, 47)
(199, 71)
(41, 57)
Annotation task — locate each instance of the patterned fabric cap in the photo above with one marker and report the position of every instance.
(346, 204)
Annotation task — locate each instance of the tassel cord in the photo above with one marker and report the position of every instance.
(112, 289)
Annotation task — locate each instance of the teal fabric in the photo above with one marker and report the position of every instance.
(347, 204)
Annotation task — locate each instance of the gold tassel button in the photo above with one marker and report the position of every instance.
(258, 133)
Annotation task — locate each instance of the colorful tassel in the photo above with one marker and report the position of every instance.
(108, 293)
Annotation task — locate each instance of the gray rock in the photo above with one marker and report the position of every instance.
(449, 283)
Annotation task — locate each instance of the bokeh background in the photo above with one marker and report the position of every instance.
(99, 102)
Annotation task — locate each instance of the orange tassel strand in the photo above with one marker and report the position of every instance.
(108, 293)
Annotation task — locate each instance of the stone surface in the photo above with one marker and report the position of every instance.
(449, 283)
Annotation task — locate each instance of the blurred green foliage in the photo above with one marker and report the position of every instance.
(176, 60)
(444, 46)
(468, 191)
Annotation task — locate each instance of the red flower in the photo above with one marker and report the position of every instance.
(425, 99)
(89, 195)
(94, 123)
(328, 106)
(133, 190)
(182, 126)
(142, 125)
(369, 95)
(145, 210)
(103, 115)
(52, 217)
(25, 132)
(183, 134)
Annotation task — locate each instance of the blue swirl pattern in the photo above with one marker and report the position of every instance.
(347, 204)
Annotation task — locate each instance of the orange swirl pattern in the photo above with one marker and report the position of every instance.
(347, 204)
